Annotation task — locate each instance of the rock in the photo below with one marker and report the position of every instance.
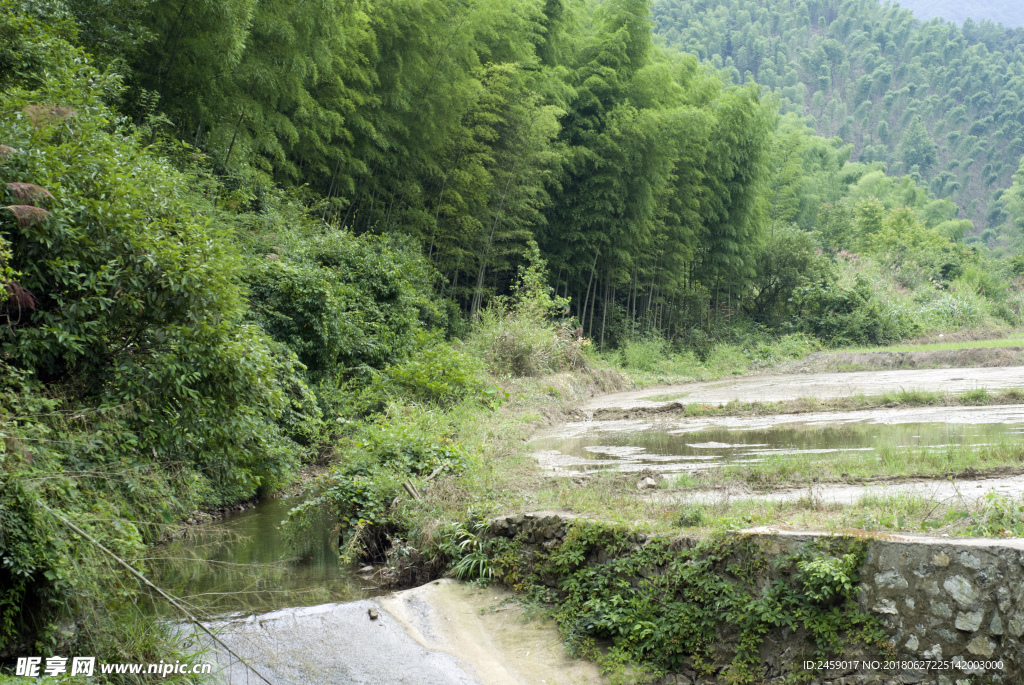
(981, 646)
(970, 561)
(373, 614)
(647, 484)
(969, 620)
(885, 606)
(891, 580)
(942, 610)
(941, 560)
(366, 569)
(1017, 625)
(1003, 596)
(961, 590)
(934, 654)
(912, 643)
(996, 626)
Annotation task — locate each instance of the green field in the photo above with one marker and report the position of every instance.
(1016, 340)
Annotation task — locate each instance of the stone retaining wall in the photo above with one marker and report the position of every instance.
(950, 601)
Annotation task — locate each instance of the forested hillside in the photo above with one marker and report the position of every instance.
(1006, 12)
(238, 238)
(933, 100)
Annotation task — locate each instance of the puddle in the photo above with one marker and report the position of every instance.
(679, 445)
(244, 563)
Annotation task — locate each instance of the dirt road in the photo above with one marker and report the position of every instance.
(820, 385)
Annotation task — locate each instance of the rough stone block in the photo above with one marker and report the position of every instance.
(970, 561)
(996, 626)
(961, 590)
(942, 610)
(891, 580)
(981, 646)
(969, 621)
(885, 606)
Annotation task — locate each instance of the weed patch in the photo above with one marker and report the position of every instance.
(658, 606)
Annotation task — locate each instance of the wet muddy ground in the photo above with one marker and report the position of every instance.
(672, 445)
(782, 387)
(947, 492)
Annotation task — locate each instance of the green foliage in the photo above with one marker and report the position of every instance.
(932, 100)
(468, 548)
(838, 314)
(344, 305)
(360, 489)
(516, 336)
(829, 580)
(692, 516)
(707, 608)
(787, 260)
(439, 374)
(999, 516)
(643, 354)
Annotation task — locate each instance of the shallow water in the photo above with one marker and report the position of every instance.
(678, 445)
(245, 563)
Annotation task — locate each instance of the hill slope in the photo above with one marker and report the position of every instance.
(933, 100)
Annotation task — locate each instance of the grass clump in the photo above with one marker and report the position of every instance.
(782, 470)
(655, 360)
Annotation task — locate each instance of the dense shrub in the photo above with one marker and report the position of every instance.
(518, 336)
(132, 389)
(346, 305)
(839, 314)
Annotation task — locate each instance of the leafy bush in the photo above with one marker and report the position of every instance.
(517, 337)
(644, 354)
(468, 548)
(838, 314)
(345, 305)
(439, 374)
(786, 260)
(136, 302)
(957, 308)
(360, 489)
(828, 580)
(690, 516)
(132, 389)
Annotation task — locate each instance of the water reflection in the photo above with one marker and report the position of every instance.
(244, 563)
(678, 445)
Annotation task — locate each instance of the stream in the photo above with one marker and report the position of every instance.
(296, 615)
(244, 564)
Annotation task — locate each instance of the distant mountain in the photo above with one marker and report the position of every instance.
(1007, 12)
(936, 100)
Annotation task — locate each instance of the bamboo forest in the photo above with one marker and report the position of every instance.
(353, 248)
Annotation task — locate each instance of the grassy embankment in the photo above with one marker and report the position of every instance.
(506, 478)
